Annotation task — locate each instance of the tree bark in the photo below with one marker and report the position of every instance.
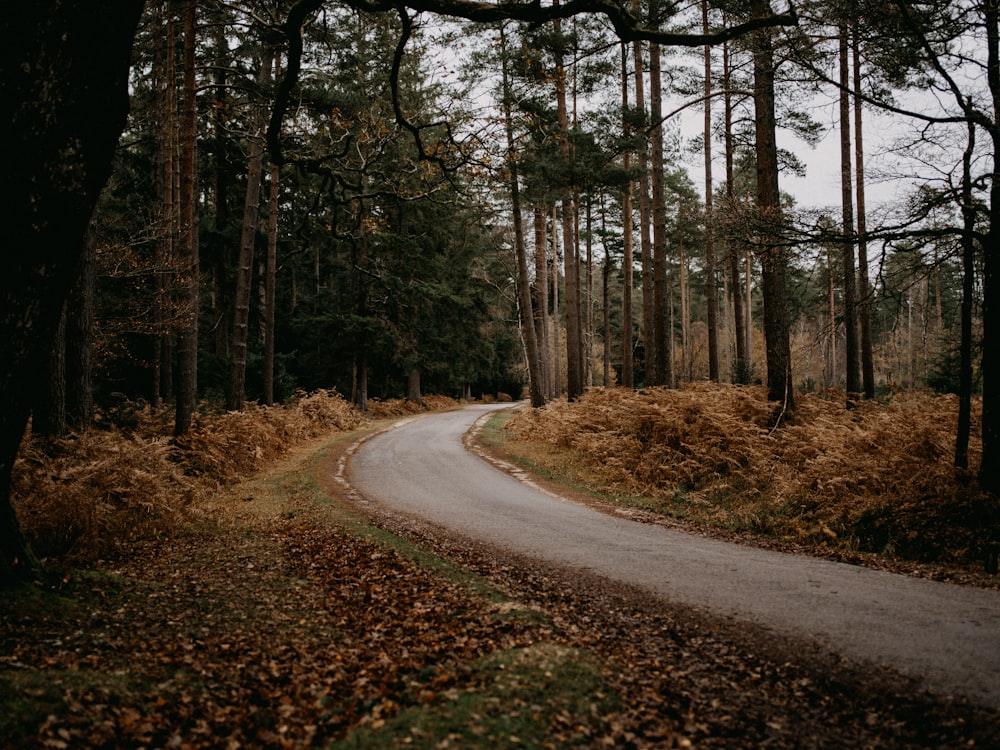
(270, 279)
(741, 368)
(864, 284)
(187, 250)
(711, 291)
(989, 471)
(571, 260)
(542, 300)
(773, 254)
(968, 289)
(661, 305)
(80, 338)
(628, 372)
(48, 413)
(852, 368)
(65, 99)
(248, 236)
(535, 389)
(645, 240)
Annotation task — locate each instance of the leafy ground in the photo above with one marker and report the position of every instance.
(286, 613)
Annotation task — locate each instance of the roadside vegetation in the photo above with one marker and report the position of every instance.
(225, 590)
(873, 483)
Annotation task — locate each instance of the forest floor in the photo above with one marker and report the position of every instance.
(287, 616)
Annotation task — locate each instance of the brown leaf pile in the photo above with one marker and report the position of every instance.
(82, 496)
(875, 478)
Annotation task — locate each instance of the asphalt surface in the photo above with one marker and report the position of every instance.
(944, 635)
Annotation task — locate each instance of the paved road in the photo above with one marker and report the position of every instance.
(945, 635)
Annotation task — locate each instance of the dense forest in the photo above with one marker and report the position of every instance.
(469, 199)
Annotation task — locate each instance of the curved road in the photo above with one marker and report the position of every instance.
(946, 636)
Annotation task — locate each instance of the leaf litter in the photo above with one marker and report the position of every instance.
(279, 619)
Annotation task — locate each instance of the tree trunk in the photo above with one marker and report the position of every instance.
(741, 368)
(59, 152)
(711, 292)
(270, 278)
(864, 284)
(682, 280)
(542, 300)
(557, 380)
(645, 241)
(80, 338)
(535, 387)
(188, 265)
(773, 254)
(661, 306)
(571, 260)
(852, 350)
(989, 472)
(628, 373)
(968, 289)
(248, 236)
(48, 413)
(413, 393)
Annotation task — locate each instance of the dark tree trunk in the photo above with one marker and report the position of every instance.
(864, 284)
(270, 277)
(989, 471)
(628, 372)
(413, 386)
(851, 348)
(48, 413)
(968, 288)
(663, 366)
(711, 291)
(244, 271)
(535, 386)
(187, 250)
(541, 300)
(80, 339)
(741, 368)
(645, 240)
(772, 253)
(63, 89)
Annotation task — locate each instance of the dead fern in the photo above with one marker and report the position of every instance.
(876, 478)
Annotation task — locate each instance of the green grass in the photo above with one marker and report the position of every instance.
(541, 696)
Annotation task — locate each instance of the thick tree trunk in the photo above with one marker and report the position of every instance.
(413, 393)
(773, 254)
(48, 413)
(851, 349)
(661, 295)
(541, 299)
(628, 372)
(645, 240)
(270, 278)
(741, 368)
(571, 259)
(711, 291)
(557, 378)
(80, 338)
(63, 81)
(864, 284)
(989, 472)
(968, 289)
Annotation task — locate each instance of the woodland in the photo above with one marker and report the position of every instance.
(240, 228)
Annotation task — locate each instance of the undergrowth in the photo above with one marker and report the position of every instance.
(878, 478)
(83, 497)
